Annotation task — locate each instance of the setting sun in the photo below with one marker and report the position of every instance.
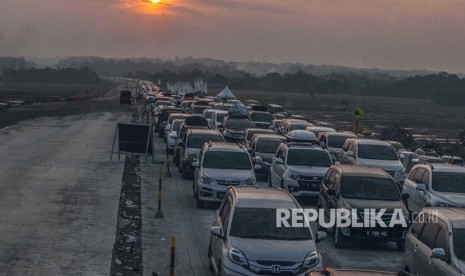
(155, 1)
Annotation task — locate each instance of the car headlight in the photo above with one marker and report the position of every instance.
(205, 179)
(250, 181)
(311, 260)
(294, 176)
(236, 256)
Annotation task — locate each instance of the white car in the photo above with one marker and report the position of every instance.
(373, 153)
(435, 185)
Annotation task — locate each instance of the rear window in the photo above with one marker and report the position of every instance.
(268, 145)
(261, 117)
(220, 117)
(336, 141)
(369, 188)
(199, 109)
(238, 124)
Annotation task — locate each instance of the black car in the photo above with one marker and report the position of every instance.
(262, 148)
(363, 188)
(163, 117)
(190, 146)
(190, 122)
(234, 127)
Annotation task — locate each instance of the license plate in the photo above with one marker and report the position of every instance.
(377, 234)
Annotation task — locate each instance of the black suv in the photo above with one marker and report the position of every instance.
(357, 187)
(190, 148)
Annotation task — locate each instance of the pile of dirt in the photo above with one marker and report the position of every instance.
(127, 250)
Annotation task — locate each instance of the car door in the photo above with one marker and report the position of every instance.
(424, 248)
(411, 244)
(409, 187)
(221, 220)
(276, 168)
(442, 267)
(326, 201)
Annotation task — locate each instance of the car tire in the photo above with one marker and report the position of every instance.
(400, 246)
(339, 239)
(200, 203)
(185, 173)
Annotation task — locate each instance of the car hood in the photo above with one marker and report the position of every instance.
(260, 249)
(371, 204)
(267, 157)
(233, 175)
(388, 165)
(455, 199)
(310, 171)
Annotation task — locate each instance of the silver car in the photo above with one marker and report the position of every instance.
(221, 165)
(435, 244)
(441, 185)
(244, 239)
(299, 168)
(373, 153)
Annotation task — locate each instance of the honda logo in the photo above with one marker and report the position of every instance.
(276, 268)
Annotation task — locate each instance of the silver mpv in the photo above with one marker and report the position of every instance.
(245, 239)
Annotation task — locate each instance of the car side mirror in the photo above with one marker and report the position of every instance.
(279, 161)
(216, 231)
(439, 253)
(405, 196)
(196, 165)
(257, 167)
(320, 236)
(331, 192)
(350, 153)
(421, 187)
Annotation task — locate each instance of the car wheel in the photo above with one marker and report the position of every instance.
(185, 173)
(200, 203)
(400, 246)
(339, 239)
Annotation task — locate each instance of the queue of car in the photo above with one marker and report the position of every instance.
(225, 147)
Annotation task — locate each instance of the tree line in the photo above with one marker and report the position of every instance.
(50, 75)
(442, 88)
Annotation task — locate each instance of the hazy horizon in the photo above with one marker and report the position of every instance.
(390, 35)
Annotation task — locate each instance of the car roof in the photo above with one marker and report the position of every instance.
(203, 131)
(224, 146)
(445, 167)
(263, 197)
(365, 141)
(361, 170)
(269, 136)
(455, 215)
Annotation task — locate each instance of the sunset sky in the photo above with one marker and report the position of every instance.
(390, 34)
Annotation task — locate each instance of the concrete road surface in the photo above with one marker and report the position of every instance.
(59, 195)
(191, 226)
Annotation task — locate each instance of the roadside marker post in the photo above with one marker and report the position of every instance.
(173, 253)
(159, 213)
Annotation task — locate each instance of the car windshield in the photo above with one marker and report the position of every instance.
(268, 145)
(220, 117)
(298, 126)
(377, 152)
(369, 188)
(238, 124)
(459, 241)
(336, 141)
(261, 117)
(227, 160)
(448, 182)
(176, 125)
(199, 109)
(197, 140)
(260, 223)
(306, 157)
